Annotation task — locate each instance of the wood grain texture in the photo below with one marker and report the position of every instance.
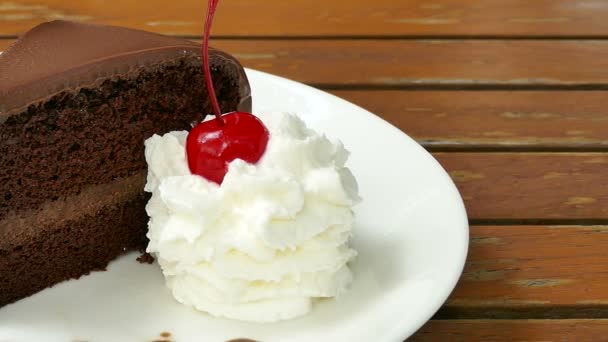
(493, 119)
(4, 43)
(530, 186)
(421, 63)
(514, 269)
(579, 330)
(427, 63)
(322, 18)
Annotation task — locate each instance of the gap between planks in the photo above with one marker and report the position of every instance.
(468, 330)
(538, 222)
(506, 312)
(380, 37)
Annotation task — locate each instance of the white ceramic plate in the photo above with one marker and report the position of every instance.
(411, 233)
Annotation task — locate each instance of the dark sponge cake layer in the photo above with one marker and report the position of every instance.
(42, 255)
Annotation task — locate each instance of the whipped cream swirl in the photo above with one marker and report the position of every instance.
(268, 241)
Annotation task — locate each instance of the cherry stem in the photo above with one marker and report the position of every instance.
(212, 4)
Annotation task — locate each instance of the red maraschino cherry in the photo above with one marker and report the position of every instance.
(212, 145)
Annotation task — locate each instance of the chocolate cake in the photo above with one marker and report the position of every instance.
(77, 102)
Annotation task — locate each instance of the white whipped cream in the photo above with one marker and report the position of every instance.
(268, 241)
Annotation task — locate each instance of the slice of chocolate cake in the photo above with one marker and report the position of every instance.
(76, 104)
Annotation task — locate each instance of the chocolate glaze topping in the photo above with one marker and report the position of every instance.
(59, 55)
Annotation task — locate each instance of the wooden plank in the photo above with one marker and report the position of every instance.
(513, 330)
(4, 43)
(494, 119)
(546, 271)
(320, 18)
(531, 186)
(424, 63)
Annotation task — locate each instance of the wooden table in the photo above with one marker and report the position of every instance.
(509, 95)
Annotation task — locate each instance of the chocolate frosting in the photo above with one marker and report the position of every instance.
(63, 56)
